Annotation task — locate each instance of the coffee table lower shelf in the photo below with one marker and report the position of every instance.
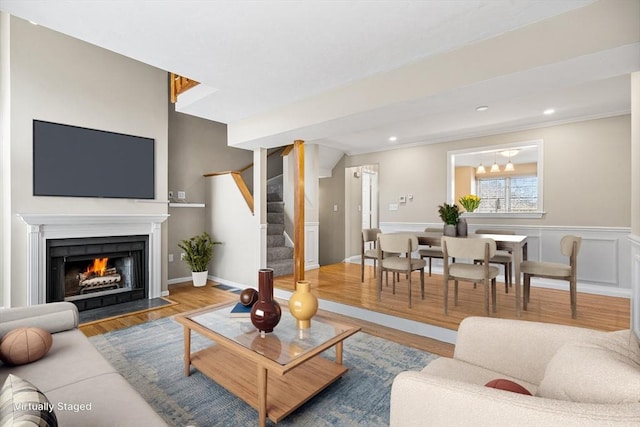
(285, 393)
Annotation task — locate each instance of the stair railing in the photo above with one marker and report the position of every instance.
(179, 85)
(239, 180)
(242, 185)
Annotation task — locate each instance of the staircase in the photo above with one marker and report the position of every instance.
(279, 256)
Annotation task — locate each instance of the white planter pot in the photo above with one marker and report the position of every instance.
(199, 278)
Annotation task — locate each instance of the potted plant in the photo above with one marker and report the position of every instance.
(449, 214)
(198, 253)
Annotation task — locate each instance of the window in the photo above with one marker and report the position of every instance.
(508, 194)
(513, 193)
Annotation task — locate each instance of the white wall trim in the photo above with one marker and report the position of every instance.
(179, 280)
(222, 281)
(635, 284)
(42, 227)
(311, 245)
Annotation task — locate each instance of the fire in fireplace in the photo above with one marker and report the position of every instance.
(97, 272)
(98, 276)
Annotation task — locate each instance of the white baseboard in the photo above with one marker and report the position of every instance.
(231, 283)
(178, 280)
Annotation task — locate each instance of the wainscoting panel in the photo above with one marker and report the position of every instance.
(311, 244)
(604, 260)
(634, 242)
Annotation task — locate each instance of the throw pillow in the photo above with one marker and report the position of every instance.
(604, 369)
(24, 345)
(22, 404)
(507, 385)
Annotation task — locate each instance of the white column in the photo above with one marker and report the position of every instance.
(36, 265)
(260, 203)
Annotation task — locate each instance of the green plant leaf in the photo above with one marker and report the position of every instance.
(198, 251)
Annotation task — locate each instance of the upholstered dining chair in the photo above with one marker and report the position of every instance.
(369, 237)
(403, 243)
(569, 246)
(504, 258)
(431, 252)
(469, 249)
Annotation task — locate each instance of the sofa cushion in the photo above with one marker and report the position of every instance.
(466, 372)
(22, 404)
(53, 317)
(106, 400)
(602, 369)
(72, 358)
(24, 345)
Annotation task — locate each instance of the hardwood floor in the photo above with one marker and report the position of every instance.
(341, 283)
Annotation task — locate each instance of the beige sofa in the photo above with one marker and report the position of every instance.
(74, 373)
(577, 377)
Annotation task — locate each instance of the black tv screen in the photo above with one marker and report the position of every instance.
(80, 162)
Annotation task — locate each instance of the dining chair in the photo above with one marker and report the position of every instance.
(369, 236)
(504, 258)
(569, 246)
(403, 243)
(431, 252)
(469, 249)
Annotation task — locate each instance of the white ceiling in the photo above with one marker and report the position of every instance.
(256, 59)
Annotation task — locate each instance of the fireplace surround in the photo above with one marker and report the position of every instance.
(42, 228)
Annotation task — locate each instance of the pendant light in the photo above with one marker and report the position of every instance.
(481, 169)
(494, 166)
(509, 167)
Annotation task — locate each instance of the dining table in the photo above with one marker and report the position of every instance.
(514, 243)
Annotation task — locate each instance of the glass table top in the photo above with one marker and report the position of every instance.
(284, 344)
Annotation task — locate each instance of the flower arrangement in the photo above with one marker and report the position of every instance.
(470, 202)
(449, 213)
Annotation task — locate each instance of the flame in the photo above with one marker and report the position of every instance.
(98, 267)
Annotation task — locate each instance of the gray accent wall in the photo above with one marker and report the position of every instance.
(332, 223)
(196, 147)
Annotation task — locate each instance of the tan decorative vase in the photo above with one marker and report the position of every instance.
(303, 305)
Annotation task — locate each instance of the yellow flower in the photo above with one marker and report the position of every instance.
(470, 202)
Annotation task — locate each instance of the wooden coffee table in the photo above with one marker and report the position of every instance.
(275, 373)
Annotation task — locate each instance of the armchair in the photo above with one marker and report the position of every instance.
(577, 377)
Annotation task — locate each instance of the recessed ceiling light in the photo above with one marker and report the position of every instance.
(549, 111)
(393, 138)
(33, 23)
(482, 108)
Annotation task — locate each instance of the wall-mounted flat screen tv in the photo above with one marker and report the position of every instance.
(79, 162)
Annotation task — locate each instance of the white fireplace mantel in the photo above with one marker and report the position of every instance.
(42, 227)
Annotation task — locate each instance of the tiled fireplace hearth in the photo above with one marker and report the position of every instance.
(132, 241)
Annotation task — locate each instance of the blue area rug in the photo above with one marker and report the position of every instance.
(150, 357)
